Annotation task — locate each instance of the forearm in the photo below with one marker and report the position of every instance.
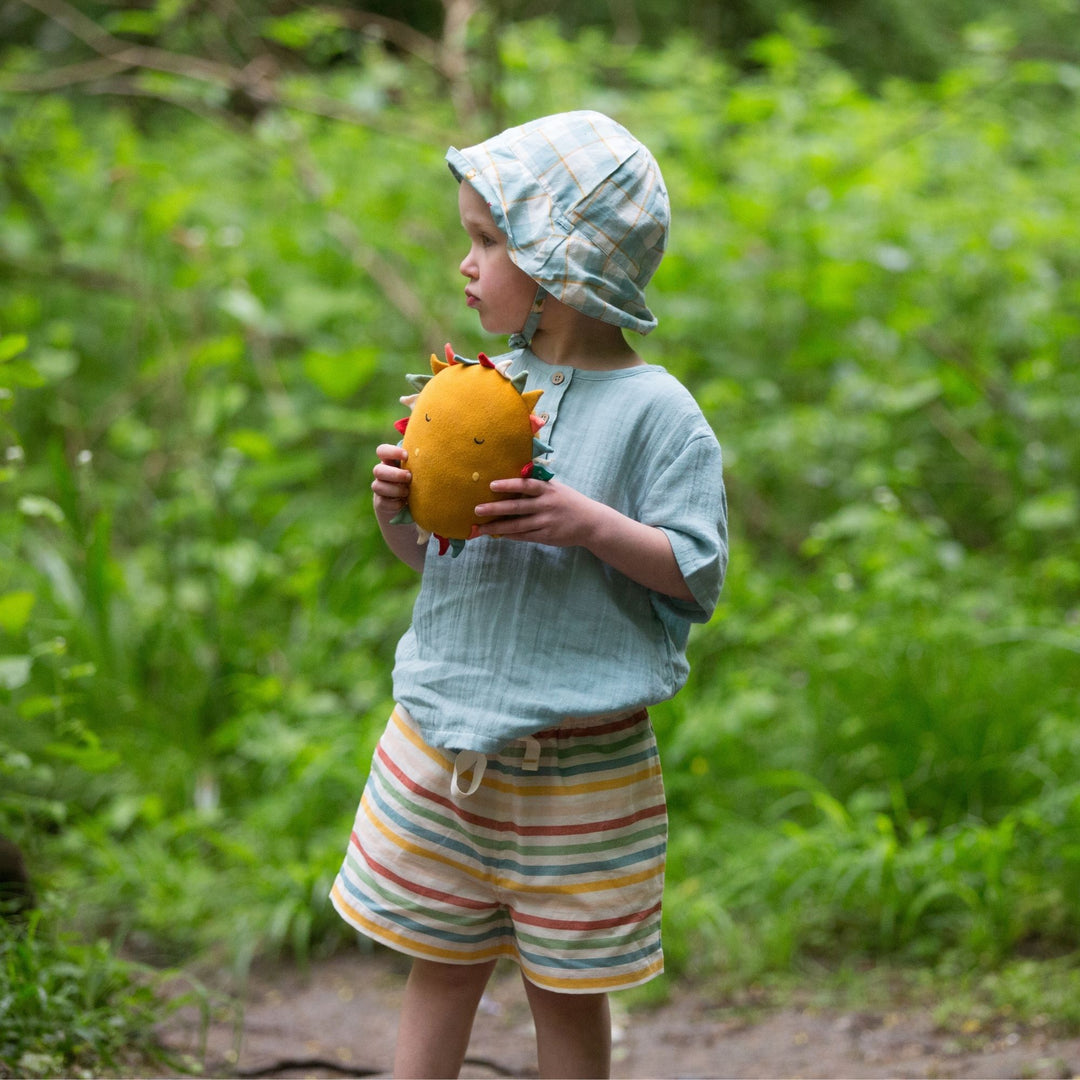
(401, 540)
(548, 512)
(640, 552)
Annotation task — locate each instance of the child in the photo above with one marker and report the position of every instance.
(515, 806)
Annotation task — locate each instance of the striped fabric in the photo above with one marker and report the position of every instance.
(558, 867)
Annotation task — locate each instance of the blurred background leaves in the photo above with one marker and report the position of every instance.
(226, 235)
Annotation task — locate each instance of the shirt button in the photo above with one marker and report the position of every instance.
(558, 378)
(545, 417)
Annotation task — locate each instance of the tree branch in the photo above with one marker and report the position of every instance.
(398, 33)
(256, 79)
(456, 17)
(86, 71)
(253, 78)
(83, 277)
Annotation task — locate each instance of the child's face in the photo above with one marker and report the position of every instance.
(498, 291)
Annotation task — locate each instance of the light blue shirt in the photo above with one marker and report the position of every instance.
(513, 637)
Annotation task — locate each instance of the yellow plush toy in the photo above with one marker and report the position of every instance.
(470, 424)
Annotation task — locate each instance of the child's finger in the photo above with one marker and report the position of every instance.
(390, 474)
(518, 486)
(388, 453)
(505, 508)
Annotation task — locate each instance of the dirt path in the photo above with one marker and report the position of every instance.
(343, 1013)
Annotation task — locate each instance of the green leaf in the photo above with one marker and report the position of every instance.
(339, 375)
(39, 506)
(253, 444)
(90, 756)
(54, 365)
(11, 345)
(244, 306)
(1055, 510)
(905, 399)
(21, 373)
(15, 608)
(15, 671)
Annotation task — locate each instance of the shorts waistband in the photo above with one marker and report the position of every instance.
(466, 761)
(597, 724)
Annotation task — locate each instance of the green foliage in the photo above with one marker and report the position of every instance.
(205, 327)
(876, 39)
(71, 1009)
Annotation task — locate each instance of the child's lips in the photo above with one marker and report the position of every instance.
(471, 300)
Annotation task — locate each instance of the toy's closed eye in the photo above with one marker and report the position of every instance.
(427, 418)
(479, 442)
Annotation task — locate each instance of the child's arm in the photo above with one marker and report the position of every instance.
(547, 512)
(391, 488)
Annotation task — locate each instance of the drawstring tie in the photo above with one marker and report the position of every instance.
(467, 760)
(524, 336)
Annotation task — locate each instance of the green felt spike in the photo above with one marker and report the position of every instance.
(540, 473)
(539, 447)
(456, 548)
(519, 381)
(418, 382)
(402, 517)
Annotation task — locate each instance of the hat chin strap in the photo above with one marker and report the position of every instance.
(524, 336)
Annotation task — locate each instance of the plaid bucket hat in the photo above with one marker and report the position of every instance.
(584, 209)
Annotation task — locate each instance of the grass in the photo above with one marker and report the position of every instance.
(1027, 995)
(876, 758)
(72, 1008)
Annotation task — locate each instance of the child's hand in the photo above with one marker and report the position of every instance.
(391, 483)
(547, 512)
(542, 511)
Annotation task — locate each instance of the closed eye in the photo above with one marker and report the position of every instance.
(427, 418)
(479, 442)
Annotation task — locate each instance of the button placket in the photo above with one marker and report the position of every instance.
(559, 382)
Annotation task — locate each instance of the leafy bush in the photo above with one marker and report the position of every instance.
(71, 1009)
(874, 299)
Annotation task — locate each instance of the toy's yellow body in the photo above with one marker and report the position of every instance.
(470, 424)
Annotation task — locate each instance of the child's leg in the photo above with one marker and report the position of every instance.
(573, 1033)
(437, 1017)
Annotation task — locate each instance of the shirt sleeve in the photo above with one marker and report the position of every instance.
(688, 502)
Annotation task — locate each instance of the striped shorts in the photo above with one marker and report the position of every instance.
(556, 863)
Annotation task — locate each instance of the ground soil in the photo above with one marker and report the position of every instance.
(338, 1018)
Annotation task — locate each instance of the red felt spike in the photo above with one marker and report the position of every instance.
(444, 544)
(449, 350)
(484, 361)
(402, 424)
(527, 471)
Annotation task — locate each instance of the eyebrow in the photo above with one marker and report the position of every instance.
(479, 219)
(476, 223)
